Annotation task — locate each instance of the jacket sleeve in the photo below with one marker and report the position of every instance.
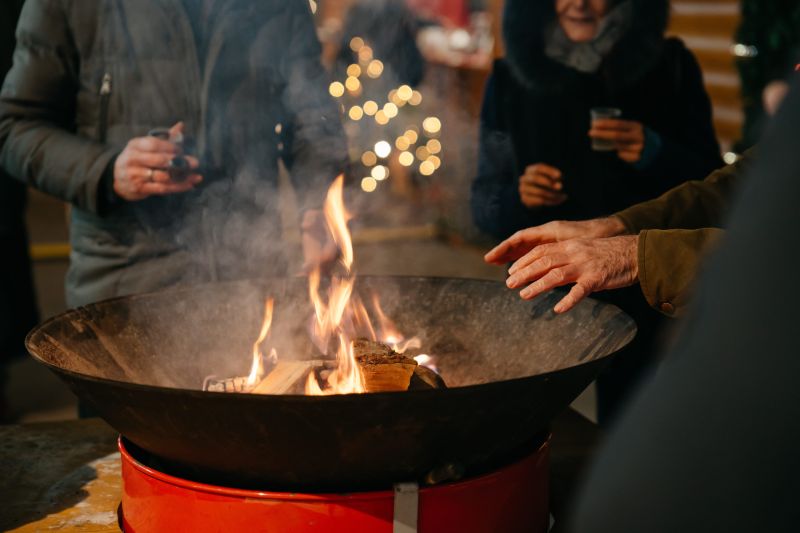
(318, 143)
(691, 151)
(37, 112)
(669, 261)
(495, 202)
(692, 205)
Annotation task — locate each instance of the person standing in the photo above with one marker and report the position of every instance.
(536, 161)
(232, 88)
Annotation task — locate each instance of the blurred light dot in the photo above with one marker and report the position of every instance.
(336, 89)
(411, 135)
(352, 84)
(369, 184)
(356, 112)
(383, 149)
(313, 5)
(278, 128)
(422, 153)
(402, 143)
(426, 168)
(434, 146)
(381, 118)
(365, 54)
(406, 159)
(354, 71)
(436, 161)
(370, 107)
(390, 109)
(375, 69)
(405, 92)
(369, 158)
(730, 158)
(432, 125)
(416, 98)
(380, 172)
(356, 43)
(743, 50)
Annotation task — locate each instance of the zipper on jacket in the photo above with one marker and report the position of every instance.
(105, 97)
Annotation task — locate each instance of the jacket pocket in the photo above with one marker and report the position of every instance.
(105, 99)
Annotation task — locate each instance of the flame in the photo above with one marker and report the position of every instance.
(427, 361)
(257, 368)
(389, 332)
(332, 316)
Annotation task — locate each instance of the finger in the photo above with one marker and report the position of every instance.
(542, 198)
(541, 180)
(193, 161)
(147, 160)
(554, 278)
(539, 192)
(152, 144)
(153, 188)
(614, 135)
(575, 295)
(176, 129)
(547, 170)
(613, 124)
(527, 272)
(535, 254)
(514, 247)
(629, 157)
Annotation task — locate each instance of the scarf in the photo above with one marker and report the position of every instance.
(588, 56)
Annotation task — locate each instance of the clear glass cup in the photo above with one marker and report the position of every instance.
(598, 113)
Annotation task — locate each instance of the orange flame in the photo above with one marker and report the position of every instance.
(257, 368)
(329, 317)
(389, 333)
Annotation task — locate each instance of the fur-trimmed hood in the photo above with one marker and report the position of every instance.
(524, 28)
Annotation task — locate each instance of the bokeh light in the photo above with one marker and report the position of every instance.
(390, 109)
(369, 158)
(383, 149)
(411, 135)
(375, 69)
(380, 172)
(356, 43)
(422, 153)
(434, 146)
(381, 118)
(352, 84)
(356, 113)
(402, 143)
(336, 89)
(432, 125)
(404, 92)
(426, 168)
(416, 98)
(406, 159)
(369, 184)
(436, 161)
(354, 70)
(370, 107)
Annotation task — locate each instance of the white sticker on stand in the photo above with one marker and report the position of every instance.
(406, 507)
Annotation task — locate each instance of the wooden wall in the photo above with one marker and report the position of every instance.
(707, 27)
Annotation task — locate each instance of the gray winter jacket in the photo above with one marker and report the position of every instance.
(90, 75)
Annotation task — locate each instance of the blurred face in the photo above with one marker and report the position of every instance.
(580, 19)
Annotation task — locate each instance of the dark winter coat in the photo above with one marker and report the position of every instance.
(256, 95)
(536, 110)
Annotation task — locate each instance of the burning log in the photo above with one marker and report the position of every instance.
(287, 377)
(237, 384)
(386, 370)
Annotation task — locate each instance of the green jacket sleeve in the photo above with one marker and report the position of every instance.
(668, 264)
(37, 112)
(691, 205)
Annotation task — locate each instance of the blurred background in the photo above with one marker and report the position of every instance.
(410, 80)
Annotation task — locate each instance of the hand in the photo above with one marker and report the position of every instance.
(541, 186)
(591, 264)
(141, 171)
(627, 135)
(526, 240)
(319, 249)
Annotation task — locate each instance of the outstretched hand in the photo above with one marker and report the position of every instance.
(526, 240)
(592, 265)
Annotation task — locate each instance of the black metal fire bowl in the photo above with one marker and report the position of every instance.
(511, 366)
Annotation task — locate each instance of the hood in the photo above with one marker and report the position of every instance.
(524, 27)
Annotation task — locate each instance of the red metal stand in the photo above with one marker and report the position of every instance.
(512, 499)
